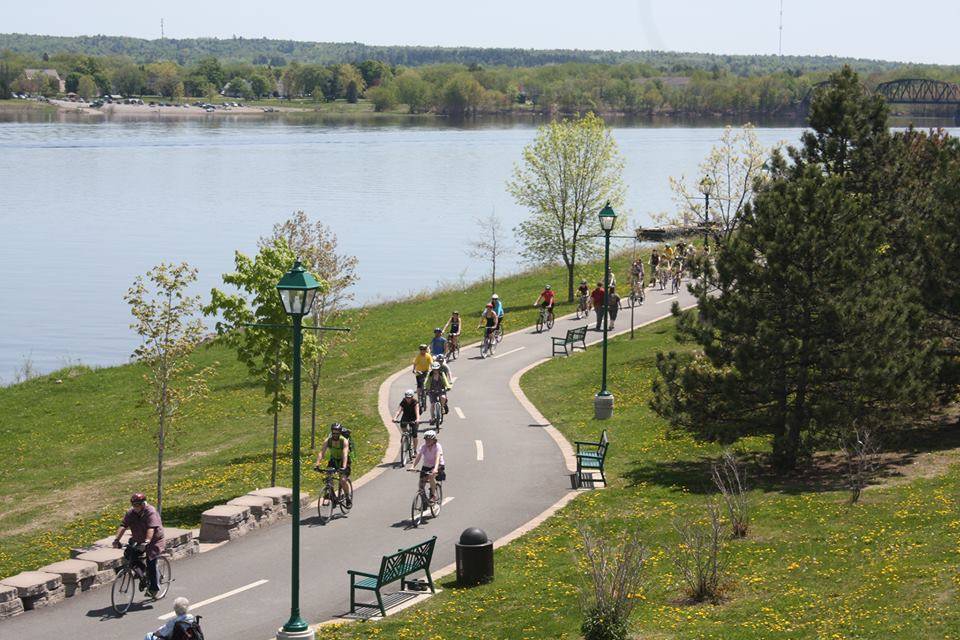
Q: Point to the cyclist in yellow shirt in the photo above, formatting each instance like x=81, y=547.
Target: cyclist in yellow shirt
x=421, y=366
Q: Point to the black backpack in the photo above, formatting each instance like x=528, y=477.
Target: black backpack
x=184, y=630
x=346, y=434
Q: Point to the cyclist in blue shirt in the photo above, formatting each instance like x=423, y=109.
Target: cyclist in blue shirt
x=438, y=346
x=498, y=308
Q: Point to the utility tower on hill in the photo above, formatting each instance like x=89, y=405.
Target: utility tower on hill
x=780, y=46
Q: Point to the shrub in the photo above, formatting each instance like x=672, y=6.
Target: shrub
x=615, y=577
x=730, y=479
x=699, y=556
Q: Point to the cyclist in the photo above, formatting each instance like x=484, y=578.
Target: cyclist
x=583, y=295
x=437, y=385
x=408, y=414
x=546, y=296
x=339, y=447
x=444, y=367
x=611, y=278
x=421, y=365
x=489, y=318
x=654, y=263
x=433, y=463
x=438, y=346
x=454, y=335
x=146, y=530
x=180, y=607
x=597, y=297
x=498, y=307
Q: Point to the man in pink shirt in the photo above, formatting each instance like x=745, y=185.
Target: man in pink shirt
x=146, y=529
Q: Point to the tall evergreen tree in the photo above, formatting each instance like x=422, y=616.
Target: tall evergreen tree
x=811, y=330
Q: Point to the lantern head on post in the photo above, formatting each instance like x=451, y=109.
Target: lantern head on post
x=706, y=186
x=297, y=289
x=607, y=218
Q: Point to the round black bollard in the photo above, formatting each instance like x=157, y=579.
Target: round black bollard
x=474, y=558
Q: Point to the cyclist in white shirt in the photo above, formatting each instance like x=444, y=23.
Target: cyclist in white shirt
x=433, y=463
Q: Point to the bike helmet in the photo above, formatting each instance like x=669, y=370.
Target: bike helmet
x=408, y=393
x=547, y=287
x=336, y=427
x=438, y=330
x=138, y=498
x=494, y=297
x=423, y=346
x=583, y=282
x=430, y=434
x=435, y=366
x=439, y=357
x=455, y=312
x=489, y=305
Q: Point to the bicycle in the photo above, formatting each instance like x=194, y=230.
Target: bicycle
x=453, y=347
x=407, y=452
x=637, y=295
x=436, y=409
x=489, y=344
x=421, y=392
x=676, y=281
x=545, y=318
x=422, y=502
x=132, y=577
x=582, y=309
x=332, y=497
x=662, y=275
x=498, y=331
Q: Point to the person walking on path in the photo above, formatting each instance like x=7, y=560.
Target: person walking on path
x=597, y=298
x=613, y=303
x=180, y=607
x=146, y=528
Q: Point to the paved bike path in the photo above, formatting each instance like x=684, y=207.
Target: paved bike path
x=522, y=473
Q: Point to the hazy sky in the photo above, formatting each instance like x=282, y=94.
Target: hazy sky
x=917, y=31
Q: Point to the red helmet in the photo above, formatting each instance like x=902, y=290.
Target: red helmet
x=138, y=498
x=489, y=305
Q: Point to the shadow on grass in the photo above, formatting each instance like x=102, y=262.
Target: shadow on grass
x=188, y=514
x=824, y=471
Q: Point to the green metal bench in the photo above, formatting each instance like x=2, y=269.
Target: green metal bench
x=570, y=340
x=590, y=456
x=392, y=568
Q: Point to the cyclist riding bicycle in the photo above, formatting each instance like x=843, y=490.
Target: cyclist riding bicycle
x=498, y=307
x=421, y=365
x=547, y=296
x=438, y=346
x=434, y=466
x=444, y=367
x=454, y=330
x=339, y=447
x=583, y=291
x=490, y=318
x=654, y=263
x=408, y=414
x=437, y=385
x=146, y=530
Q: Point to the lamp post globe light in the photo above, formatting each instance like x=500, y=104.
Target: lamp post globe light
x=297, y=289
x=706, y=188
x=603, y=401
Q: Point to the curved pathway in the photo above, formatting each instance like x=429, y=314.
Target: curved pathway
x=517, y=448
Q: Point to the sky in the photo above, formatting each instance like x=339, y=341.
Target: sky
x=918, y=31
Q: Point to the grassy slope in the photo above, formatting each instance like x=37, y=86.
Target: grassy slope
x=81, y=446
x=812, y=566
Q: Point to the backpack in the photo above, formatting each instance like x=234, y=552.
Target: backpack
x=184, y=630
x=346, y=434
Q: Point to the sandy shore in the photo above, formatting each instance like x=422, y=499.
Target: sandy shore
x=146, y=111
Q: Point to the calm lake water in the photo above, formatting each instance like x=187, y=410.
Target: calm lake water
x=85, y=207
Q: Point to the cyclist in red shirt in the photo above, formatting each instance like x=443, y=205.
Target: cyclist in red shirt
x=547, y=296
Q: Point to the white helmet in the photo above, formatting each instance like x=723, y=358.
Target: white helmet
x=408, y=393
x=494, y=297
x=430, y=434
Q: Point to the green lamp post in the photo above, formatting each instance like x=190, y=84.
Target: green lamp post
x=297, y=289
x=706, y=188
x=603, y=401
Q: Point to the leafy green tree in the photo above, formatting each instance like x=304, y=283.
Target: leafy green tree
x=316, y=245
x=210, y=68
x=72, y=81
x=791, y=347
x=87, y=88
x=239, y=87
x=349, y=82
x=129, y=80
x=461, y=95
x=168, y=321
x=383, y=97
x=260, y=85
x=374, y=72
x=569, y=171
x=413, y=91
x=267, y=353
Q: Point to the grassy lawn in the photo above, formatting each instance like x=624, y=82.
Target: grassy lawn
x=74, y=450
x=812, y=566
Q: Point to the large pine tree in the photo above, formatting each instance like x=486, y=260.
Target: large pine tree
x=811, y=329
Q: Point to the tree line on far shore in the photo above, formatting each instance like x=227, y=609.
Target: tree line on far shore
x=632, y=88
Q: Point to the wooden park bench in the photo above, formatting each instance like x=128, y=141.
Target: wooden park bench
x=392, y=568
x=574, y=336
x=591, y=455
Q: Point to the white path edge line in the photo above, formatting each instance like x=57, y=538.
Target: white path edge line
x=232, y=592
x=500, y=355
x=479, y=449
x=662, y=301
x=446, y=500
x=459, y=413
x=565, y=447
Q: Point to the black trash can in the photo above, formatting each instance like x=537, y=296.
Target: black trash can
x=474, y=558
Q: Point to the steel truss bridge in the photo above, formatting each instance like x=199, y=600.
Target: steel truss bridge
x=920, y=91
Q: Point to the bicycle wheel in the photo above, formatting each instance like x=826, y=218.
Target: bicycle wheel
x=422, y=398
x=485, y=347
x=436, y=506
x=124, y=588
x=438, y=413
x=456, y=350
x=550, y=320
x=417, y=509
x=498, y=333
x=346, y=498
x=404, y=445
x=165, y=577
x=326, y=503
x=540, y=323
